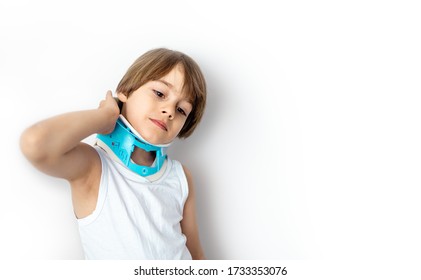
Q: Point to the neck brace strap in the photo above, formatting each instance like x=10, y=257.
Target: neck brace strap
x=122, y=142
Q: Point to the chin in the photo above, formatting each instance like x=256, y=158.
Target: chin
x=152, y=139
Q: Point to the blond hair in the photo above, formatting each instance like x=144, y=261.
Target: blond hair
x=155, y=64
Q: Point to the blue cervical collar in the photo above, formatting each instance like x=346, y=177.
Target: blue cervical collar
x=122, y=142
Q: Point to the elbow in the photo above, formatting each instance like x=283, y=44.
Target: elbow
x=32, y=143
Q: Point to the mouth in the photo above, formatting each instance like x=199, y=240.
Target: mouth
x=160, y=124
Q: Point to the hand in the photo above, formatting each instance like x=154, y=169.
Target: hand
x=110, y=106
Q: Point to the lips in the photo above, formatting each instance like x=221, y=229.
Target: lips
x=160, y=124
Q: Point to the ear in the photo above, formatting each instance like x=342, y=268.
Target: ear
x=122, y=97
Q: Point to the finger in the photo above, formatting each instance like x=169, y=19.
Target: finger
x=109, y=94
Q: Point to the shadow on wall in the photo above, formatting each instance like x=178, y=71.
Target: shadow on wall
x=191, y=152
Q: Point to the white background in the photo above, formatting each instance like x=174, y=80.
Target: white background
x=310, y=145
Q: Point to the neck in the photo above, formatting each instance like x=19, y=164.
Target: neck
x=142, y=157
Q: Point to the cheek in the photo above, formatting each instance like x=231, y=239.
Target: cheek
x=138, y=105
x=131, y=113
x=180, y=125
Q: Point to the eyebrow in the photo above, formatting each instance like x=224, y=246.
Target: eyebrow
x=166, y=83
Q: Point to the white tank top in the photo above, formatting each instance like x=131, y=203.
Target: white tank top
x=135, y=218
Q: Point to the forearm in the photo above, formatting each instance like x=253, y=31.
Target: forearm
x=56, y=136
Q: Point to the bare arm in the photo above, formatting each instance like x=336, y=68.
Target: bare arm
x=54, y=147
x=189, y=223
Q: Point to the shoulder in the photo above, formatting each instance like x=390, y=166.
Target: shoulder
x=92, y=166
x=85, y=188
x=187, y=172
x=189, y=178
x=182, y=171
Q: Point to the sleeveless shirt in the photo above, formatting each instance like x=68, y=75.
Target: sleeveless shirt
x=135, y=218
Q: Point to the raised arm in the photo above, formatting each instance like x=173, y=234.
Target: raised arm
x=54, y=145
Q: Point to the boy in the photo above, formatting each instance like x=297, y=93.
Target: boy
x=123, y=213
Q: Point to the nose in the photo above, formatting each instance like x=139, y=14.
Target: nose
x=169, y=113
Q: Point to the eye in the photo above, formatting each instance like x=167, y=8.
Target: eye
x=180, y=110
x=158, y=93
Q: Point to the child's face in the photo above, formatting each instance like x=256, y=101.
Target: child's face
x=158, y=109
